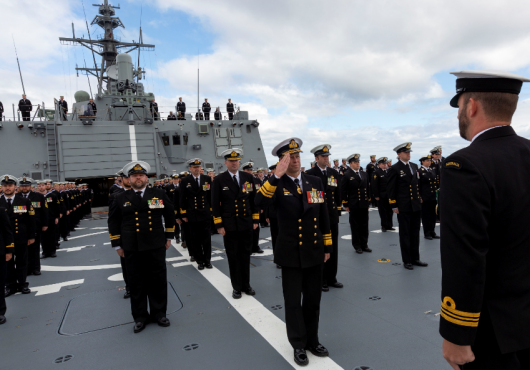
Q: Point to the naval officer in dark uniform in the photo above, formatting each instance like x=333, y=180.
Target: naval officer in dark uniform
x=330, y=180
x=248, y=167
x=303, y=245
x=137, y=233
x=22, y=220
x=49, y=241
x=370, y=168
x=63, y=106
x=235, y=216
x=195, y=198
x=404, y=198
x=355, y=195
x=25, y=107
x=7, y=246
x=428, y=186
x=181, y=108
x=379, y=186
x=230, y=109
x=485, y=315
x=206, y=108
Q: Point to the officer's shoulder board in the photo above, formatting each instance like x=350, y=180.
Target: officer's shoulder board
x=453, y=164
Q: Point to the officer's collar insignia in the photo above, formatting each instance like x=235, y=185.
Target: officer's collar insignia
x=293, y=144
x=325, y=150
x=138, y=167
x=233, y=154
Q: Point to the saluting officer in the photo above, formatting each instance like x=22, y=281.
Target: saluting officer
x=181, y=107
x=230, y=109
x=25, y=107
x=137, y=233
x=303, y=245
x=40, y=207
x=22, y=220
x=404, y=198
x=428, y=198
x=355, y=196
x=485, y=243
x=53, y=202
x=195, y=196
x=63, y=105
x=380, y=191
x=248, y=167
x=235, y=216
x=7, y=246
x=206, y=108
x=330, y=180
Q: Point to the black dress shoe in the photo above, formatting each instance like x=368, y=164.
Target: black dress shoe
x=8, y=292
x=37, y=273
x=392, y=229
x=163, y=321
x=408, y=266
x=250, y=291
x=2, y=319
x=72, y=231
x=65, y=239
x=300, y=357
x=236, y=294
x=43, y=256
x=25, y=290
x=436, y=236
x=360, y=251
x=53, y=255
x=208, y=265
x=366, y=249
x=192, y=259
x=139, y=326
x=259, y=251
x=177, y=240
x=325, y=288
x=419, y=263
x=200, y=266
x=183, y=245
x=319, y=351
x=337, y=285
x=278, y=266
x=428, y=237
x=383, y=230
x=127, y=295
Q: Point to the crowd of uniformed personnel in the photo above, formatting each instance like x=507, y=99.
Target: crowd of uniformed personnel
x=40, y=214
x=199, y=115
x=484, y=249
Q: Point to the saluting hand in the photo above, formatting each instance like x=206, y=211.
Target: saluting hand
x=282, y=166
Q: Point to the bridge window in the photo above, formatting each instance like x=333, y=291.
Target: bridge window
x=176, y=139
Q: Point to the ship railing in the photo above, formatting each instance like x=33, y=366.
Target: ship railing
x=192, y=110
x=38, y=113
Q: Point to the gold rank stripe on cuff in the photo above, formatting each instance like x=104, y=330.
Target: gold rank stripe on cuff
x=462, y=318
x=267, y=189
x=327, y=242
x=264, y=192
x=255, y=216
x=114, y=237
x=182, y=211
x=326, y=236
x=12, y=245
x=217, y=220
x=170, y=230
x=391, y=201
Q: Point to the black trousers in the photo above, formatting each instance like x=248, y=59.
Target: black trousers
x=302, y=290
x=238, y=245
x=488, y=355
x=331, y=265
x=3, y=273
x=63, y=225
x=428, y=217
x=147, y=276
x=26, y=116
x=255, y=240
x=200, y=241
x=49, y=238
x=177, y=231
x=274, y=231
x=263, y=220
x=34, y=251
x=207, y=116
x=409, y=235
x=124, y=273
x=373, y=201
x=385, y=213
x=230, y=116
x=17, y=267
x=359, y=227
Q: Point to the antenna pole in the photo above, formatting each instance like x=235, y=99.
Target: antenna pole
x=198, y=106
x=92, y=49
x=19, y=71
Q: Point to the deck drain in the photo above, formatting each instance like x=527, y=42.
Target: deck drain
x=191, y=347
x=362, y=368
x=396, y=264
x=277, y=307
x=374, y=298
x=63, y=359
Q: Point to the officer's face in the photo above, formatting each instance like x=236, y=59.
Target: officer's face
x=138, y=180
x=25, y=188
x=426, y=162
x=48, y=186
x=232, y=166
x=126, y=182
x=373, y=160
x=248, y=170
x=195, y=170
x=404, y=156
x=294, y=163
x=322, y=160
x=211, y=174
x=355, y=165
x=260, y=175
x=9, y=189
x=463, y=119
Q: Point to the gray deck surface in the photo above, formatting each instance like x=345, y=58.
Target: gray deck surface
x=90, y=320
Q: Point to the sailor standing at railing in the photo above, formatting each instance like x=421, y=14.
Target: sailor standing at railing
x=181, y=108
x=63, y=105
x=1, y=110
x=24, y=106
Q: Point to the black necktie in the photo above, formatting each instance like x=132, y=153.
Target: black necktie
x=197, y=181
x=323, y=173
x=139, y=193
x=9, y=202
x=235, y=180
x=297, y=182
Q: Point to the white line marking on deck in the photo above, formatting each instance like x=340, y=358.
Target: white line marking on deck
x=132, y=137
x=54, y=288
x=82, y=236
